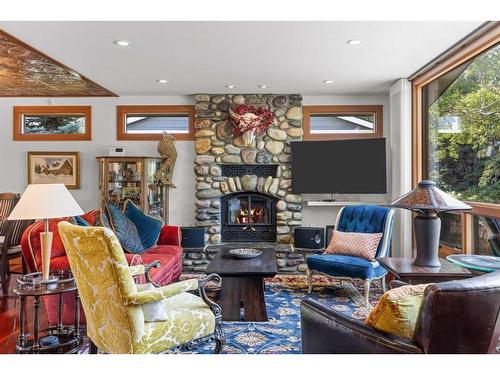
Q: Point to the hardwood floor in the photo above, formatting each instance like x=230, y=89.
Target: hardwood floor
x=9, y=315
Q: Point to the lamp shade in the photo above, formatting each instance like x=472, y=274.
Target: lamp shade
x=45, y=201
x=426, y=196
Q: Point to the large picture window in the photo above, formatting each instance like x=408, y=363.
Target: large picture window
x=456, y=139
x=462, y=129
x=148, y=122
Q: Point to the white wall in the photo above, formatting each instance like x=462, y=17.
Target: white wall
x=322, y=216
x=13, y=155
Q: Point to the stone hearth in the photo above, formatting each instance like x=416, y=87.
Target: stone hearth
x=216, y=147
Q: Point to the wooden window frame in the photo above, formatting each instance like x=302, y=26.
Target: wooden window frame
x=377, y=110
x=20, y=111
x=473, y=48
x=123, y=110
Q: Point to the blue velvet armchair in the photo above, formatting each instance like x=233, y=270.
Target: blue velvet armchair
x=361, y=219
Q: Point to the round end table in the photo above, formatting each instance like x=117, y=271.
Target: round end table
x=64, y=338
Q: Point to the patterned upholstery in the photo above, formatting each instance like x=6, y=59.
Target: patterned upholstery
x=365, y=219
x=362, y=219
x=361, y=245
x=125, y=230
x=168, y=252
x=115, y=321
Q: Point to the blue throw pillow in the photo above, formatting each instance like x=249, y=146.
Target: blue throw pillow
x=81, y=222
x=125, y=230
x=149, y=227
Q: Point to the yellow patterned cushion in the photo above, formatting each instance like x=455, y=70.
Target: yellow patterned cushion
x=188, y=318
x=397, y=311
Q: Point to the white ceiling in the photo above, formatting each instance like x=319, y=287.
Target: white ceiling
x=202, y=57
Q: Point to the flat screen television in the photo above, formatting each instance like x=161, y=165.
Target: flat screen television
x=354, y=166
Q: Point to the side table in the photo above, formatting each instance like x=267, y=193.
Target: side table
x=403, y=269
x=68, y=336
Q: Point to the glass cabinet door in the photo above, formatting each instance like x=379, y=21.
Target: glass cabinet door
x=156, y=192
x=124, y=182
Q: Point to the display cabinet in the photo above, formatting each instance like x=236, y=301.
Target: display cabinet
x=134, y=178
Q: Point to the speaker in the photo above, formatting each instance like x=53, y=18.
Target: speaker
x=328, y=234
x=309, y=237
x=193, y=237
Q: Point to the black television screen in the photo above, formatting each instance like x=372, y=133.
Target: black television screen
x=343, y=166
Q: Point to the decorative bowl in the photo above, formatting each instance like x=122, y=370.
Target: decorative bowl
x=245, y=253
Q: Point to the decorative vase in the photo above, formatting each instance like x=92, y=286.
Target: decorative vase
x=248, y=137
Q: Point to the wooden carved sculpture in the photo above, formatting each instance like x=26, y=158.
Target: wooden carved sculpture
x=166, y=148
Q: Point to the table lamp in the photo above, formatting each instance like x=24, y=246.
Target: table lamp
x=45, y=201
x=427, y=201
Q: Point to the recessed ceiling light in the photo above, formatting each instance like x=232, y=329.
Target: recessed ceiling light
x=122, y=43
x=161, y=81
x=354, y=42
x=230, y=86
x=263, y=86
x=327, y=81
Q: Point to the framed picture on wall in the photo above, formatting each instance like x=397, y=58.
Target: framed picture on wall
x=54, y=167
x=52, y=123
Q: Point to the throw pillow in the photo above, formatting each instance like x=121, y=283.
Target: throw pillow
x=153, y=311
x=125, y=230
x=81, y=221
x=361, y=245
x=102, y=219
x=149, y=227
x=398, y=310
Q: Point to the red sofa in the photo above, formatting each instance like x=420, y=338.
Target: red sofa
x=168, y=252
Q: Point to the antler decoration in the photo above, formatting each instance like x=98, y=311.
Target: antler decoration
x=247, y=117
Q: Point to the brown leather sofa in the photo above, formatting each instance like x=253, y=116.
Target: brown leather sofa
x=456, y=317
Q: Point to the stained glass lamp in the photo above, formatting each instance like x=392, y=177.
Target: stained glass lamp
x=427, y=201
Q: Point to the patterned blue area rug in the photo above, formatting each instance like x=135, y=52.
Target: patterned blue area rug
x=281, y=334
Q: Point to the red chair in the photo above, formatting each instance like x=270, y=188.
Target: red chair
x=168, y=252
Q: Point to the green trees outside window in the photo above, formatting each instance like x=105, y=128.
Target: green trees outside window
x=463, y=129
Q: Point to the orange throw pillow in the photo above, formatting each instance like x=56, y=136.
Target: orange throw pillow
x=361, y=245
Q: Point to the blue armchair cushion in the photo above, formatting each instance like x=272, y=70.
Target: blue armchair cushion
x=125, y=230
x=364, y=219
x=149, y=227
x=345, y=266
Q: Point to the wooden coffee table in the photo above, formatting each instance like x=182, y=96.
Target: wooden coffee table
x=243, y=284
x=403, y=269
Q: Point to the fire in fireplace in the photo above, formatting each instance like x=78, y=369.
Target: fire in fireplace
x=248, y=217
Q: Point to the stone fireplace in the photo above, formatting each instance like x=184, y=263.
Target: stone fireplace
x=243, y=192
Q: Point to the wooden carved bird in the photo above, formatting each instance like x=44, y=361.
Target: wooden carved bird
x=166, y=148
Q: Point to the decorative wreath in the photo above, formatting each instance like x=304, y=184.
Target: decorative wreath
x=247, y=117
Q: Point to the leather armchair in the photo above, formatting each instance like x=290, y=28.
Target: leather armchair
x=456, y=317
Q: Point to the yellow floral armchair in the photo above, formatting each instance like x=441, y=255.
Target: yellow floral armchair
x=112, y=304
